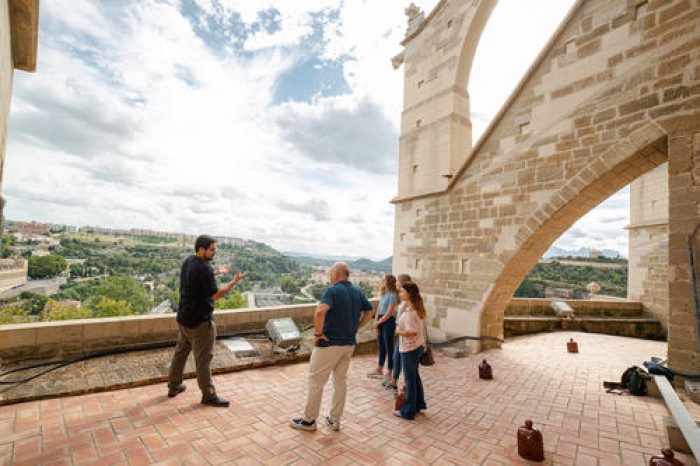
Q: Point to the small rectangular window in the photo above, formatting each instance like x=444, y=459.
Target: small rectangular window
x=570, y=46
x=418, y=264
x=640, y=10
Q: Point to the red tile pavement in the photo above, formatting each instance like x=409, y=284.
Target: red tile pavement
x=469, y=421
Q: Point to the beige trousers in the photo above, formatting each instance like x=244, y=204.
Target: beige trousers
x=200, y=340
x=325, y=360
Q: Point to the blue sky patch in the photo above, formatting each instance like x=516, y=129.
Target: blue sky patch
x=311, y=79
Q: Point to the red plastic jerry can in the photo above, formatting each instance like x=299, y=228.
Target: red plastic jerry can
x=572, y=346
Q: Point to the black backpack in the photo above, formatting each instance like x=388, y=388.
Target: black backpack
x=634, y=379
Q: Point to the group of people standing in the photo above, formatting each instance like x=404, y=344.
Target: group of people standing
x=341, y=311
x=401, y=313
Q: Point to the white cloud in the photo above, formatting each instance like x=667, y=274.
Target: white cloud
x=164, y=115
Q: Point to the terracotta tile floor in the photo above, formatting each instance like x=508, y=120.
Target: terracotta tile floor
x=469, y=421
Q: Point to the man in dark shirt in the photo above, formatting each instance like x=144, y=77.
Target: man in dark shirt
x=198, y=291
x=343, y=309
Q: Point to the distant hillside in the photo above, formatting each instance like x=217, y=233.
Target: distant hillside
x=555, y=251
x=365, y=265
x=570, y=278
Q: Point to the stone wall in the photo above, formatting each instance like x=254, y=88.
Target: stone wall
x=648, y=243
x=598, y=109
x=13, y=273
x=68, y=338
x=6, y=74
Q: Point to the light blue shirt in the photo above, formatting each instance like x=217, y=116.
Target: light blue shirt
x=386, y=300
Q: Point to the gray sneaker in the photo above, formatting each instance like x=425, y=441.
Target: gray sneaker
x=301, y=424
x=334, y=425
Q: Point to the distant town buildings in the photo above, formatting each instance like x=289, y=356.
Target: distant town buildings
x=30, y=230
x=320, y=275
x=180, y=237
x=595, y=254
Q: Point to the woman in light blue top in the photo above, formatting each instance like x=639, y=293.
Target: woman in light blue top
x=385, y=325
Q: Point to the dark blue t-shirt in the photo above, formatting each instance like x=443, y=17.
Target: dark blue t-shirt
x=346, y=302
x=197, y=286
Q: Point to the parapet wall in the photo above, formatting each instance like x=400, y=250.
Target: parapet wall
x=543, y=306
x=57, y=340
x=67, y=338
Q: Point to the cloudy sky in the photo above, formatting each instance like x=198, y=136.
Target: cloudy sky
x=273, y=120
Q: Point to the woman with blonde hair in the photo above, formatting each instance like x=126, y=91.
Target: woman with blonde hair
x=411, y=332
x=385, y=325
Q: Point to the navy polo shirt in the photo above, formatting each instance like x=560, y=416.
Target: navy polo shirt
x=346, y=303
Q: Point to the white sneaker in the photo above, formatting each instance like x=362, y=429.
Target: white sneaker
x=334, y=425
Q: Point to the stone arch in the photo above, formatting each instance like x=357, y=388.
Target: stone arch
x=615, y=93
x=642, y=151
x=471, y=41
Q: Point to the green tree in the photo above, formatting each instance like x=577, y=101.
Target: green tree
x=527, y=289
x=13, y=313
x=77, y=270
x=32, y=302
x=316, y=290
x=61, y=311
x=123, y=289
x=235, y=300
x=290, y=285
x=46, y=266
x=6, y=249
x=366, y=288
x=107, y=307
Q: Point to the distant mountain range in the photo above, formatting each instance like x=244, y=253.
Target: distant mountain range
x=366, y=265
x=384, y=266
x=555, y=251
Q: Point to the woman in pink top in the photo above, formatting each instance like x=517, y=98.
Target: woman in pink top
x=411, y=332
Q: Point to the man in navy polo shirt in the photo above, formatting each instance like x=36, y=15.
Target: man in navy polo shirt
x=343, y=309
x=195, y=319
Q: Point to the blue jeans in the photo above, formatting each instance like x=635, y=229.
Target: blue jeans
x=397, y=362
x=415, y=397
x=385, y=342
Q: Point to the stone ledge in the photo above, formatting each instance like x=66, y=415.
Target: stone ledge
x=639, y=327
